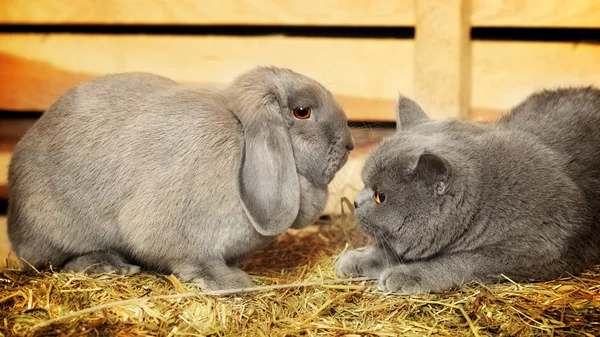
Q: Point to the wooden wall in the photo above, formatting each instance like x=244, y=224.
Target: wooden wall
x=364, y=51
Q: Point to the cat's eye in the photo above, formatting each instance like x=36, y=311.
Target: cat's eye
x=302, y=112
x=379, y=197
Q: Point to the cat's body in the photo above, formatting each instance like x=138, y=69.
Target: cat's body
x=464, y=201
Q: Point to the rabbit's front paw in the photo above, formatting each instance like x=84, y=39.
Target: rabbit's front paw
x=226, y=279
x=402, y=279
x=358, y=263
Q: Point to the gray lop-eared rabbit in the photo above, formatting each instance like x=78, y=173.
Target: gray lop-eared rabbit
x=133, y=170
x=450, y=202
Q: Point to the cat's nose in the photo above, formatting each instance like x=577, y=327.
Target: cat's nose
x=362, y=197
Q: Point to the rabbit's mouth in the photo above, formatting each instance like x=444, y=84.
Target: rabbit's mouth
x=335, y=166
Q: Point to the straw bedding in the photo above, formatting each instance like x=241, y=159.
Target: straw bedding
x=310, y=301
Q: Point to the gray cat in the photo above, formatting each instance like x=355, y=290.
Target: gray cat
x=131, y=170
x=450, y=202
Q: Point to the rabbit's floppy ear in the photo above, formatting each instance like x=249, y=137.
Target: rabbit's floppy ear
x=408, y=112
x=268, y=183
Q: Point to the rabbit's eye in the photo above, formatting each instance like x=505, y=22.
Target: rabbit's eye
x=301, y=113
x=379, y=197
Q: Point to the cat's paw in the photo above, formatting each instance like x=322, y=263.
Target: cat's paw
x=349, y=264
x=402, y=279
x=358, y=263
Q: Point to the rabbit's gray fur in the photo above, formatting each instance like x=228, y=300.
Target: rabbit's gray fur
x=464, y=201
x=134, y=169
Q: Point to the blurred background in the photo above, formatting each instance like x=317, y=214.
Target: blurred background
x=467, y=59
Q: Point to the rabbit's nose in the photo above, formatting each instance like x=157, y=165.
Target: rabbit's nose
x=350, y=143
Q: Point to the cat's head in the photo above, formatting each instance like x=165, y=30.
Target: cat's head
x=414, y=186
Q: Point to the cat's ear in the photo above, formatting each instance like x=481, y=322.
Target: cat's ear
x=434, y=171
x=408, y=112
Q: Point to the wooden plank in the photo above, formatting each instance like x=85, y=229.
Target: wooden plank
x=442, y=57
x=364, y=74
x=505, y=73
x=536, y=13
x=6, y=148
x=7, y=256
x=4, y=160
x=255, y=12
x=12, y=129
x=499, y=13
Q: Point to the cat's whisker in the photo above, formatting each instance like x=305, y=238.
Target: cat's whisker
x=386, y=259
x=387, y=242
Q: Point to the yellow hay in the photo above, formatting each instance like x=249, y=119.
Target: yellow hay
x=297, y=294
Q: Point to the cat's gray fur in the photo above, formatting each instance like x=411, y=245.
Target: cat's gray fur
x=134, y=169
x=464, y=201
